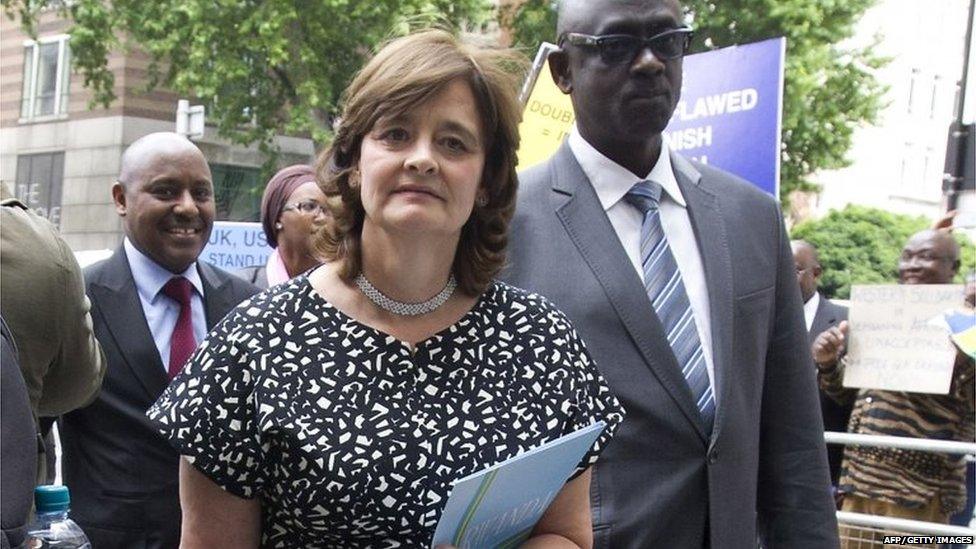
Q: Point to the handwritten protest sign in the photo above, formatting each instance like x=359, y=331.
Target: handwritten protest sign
x=898, y=339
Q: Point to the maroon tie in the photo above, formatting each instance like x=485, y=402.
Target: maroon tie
x=182, y=344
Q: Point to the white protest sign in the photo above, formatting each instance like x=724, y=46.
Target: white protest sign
x=898, y=339
x=235, y=245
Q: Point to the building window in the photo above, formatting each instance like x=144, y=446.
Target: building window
x=912, y=83
x=237, y=192
x=40, y=178
x=912, y=167
x=47, y=64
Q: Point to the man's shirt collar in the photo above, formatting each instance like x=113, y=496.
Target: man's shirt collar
x=810, y=309
x=150, y=277
x=612, y=181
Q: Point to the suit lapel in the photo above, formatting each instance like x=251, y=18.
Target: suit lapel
x=713, y=246
x=117, y=298
x=217, y=301
x=581, y=214
x=826, y=317
x=822, y=319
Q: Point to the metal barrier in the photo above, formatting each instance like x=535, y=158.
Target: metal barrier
x=866, y=531
x=904, y=443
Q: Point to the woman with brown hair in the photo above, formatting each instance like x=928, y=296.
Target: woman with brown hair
x=337, y=409
x=292, y=211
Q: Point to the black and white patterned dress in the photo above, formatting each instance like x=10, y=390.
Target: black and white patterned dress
x=351, y=438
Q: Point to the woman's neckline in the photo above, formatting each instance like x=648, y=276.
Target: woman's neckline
x=410, y=347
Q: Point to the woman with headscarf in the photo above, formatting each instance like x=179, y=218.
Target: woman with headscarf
x=292, y=210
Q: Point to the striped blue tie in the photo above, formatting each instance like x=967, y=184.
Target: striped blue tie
x=663, y=284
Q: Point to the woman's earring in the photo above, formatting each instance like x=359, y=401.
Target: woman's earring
x=279, y=226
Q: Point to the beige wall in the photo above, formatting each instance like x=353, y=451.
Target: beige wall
x=130, y=79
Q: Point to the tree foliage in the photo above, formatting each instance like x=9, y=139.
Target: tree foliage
x=860, y=245
x=262, y=68
x=829, y=89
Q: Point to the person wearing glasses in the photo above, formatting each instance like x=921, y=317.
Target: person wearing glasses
x=896, y=483
x=680, y=279
x=292, y=211
x=820, y=314
x=337, y=409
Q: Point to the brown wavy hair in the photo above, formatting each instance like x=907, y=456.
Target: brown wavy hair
x=404, y=74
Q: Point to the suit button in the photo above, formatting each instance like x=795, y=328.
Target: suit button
x=712, y=457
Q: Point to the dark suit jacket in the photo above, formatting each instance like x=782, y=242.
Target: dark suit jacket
x=18, y=451
x=662, y=482
x=121, y=473
x=257, y=275
x=835, y=416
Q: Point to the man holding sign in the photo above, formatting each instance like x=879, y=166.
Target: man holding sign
x=904, y=483
x=680, y=279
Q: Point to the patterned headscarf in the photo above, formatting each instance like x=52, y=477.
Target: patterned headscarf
x=276, y=195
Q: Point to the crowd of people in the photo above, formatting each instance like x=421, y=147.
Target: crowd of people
x=892, y=482
x=427, y=313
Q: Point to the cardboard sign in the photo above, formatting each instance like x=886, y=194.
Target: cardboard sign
x=898, y=338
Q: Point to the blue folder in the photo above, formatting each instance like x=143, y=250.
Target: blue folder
x=497, y=507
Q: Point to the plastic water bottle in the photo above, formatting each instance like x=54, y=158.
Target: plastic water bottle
x=52, y=527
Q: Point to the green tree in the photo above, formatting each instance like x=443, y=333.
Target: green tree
x=859, y=245
x=262, y=68
x=829, y=89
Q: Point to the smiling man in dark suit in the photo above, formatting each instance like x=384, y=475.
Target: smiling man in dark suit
x=679, y=278
x=152, y=304
x=820, y=315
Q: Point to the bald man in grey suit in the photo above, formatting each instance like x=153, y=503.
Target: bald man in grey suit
x=712, y=460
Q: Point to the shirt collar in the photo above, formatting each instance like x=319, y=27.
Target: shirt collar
x=810, y=309
x=150, y=277
x=612, y=181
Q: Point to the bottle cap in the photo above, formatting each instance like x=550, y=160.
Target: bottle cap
x=51, y=499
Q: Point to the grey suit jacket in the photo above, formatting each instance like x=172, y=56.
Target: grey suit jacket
x=662, y=482
x=121, y=473
x=835, y=415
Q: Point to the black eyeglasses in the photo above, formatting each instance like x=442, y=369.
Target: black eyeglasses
x=306, y=206
x=616, y=49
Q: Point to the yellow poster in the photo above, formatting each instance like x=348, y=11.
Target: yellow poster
x=546, y=121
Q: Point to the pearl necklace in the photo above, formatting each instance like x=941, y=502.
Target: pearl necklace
x=401, y=308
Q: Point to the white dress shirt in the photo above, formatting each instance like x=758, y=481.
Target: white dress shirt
x=611, y=182
x=810, y=309
x=161, y=311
